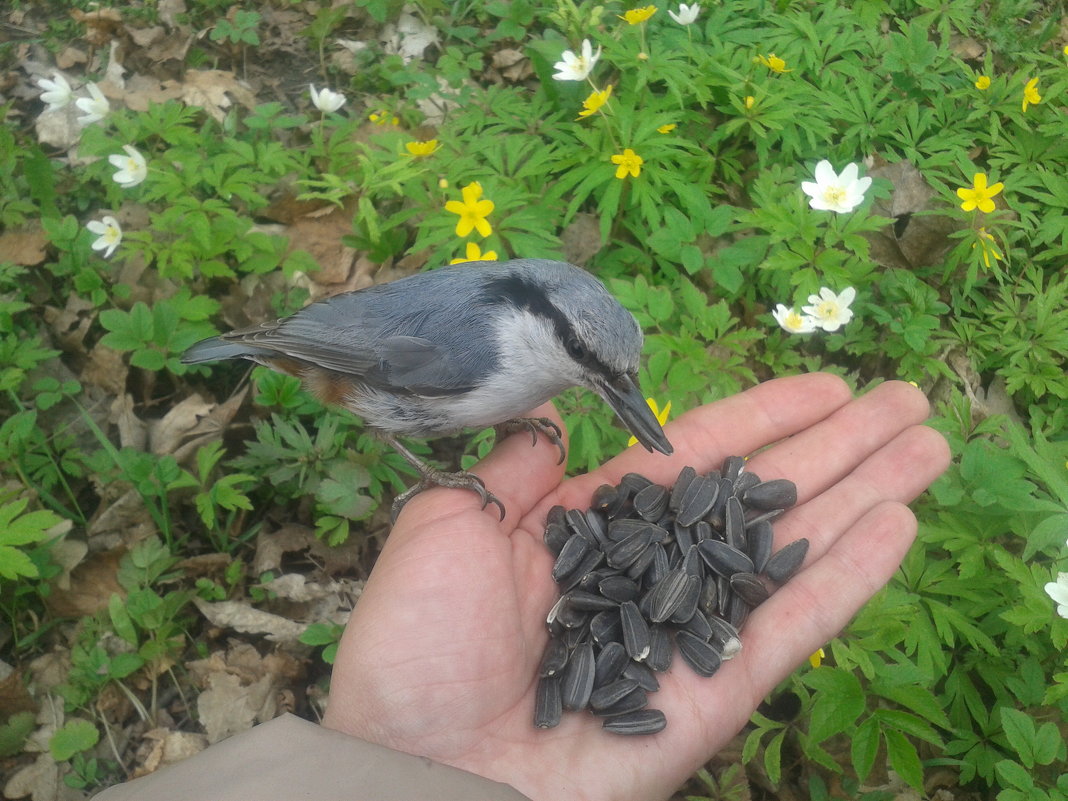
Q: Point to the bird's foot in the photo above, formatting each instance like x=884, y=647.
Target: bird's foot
x=432, y=477
x=535, y=425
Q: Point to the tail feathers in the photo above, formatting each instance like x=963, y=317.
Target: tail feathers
x=216, y=349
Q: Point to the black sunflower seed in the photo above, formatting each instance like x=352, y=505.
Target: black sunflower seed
x=692, y=562
x=684, y=536
x=724, y=559
x=697, y=500
x=576, y=523
x=734, y=524
x=623, y=554
x=645, y=721
x=611, y=693
x=698, y=654
x=665, y=597
x=605, y=627
x=660, y=649
x=556, y=536
x=659, y=567
x=631, y=702
x=759, y=539
x=633, y=483
x=697, y=624
x=786, y=561
x=636, y=638
x=578, y=678
x=651, y=502
x=623, y=527
x=737, y=611
x=744, y=481
x=588, y=601
x=779, y=493
x=709, y=600
x=556, y=516
x=732, y=466
x=643, y=674
x=554, y=659
x=547, y=703
x=678, y=489
x=619, y=588
x=570, y=556
x=750, y=588
x=688, y=606
x=609, y=664
x=702, y=530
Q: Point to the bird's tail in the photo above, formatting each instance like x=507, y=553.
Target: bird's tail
x=216, y=349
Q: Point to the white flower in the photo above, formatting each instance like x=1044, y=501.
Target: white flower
x=687, y=14
x=793, y=322
x=108, y=232
x=57, y=93
x=576, y=68
x=132, y=167
x=830, y=311
x=95, y=107
x=326, y=100
x=1058, y=591
x=833, y=192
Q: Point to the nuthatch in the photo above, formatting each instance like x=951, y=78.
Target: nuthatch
x=472, y=345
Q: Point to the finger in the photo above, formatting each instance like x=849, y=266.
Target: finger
x=516, y=473
x=899, y=471
x=819, y=456
x=737, y=425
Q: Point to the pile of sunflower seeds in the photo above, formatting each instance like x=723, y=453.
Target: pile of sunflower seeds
x=650, y=568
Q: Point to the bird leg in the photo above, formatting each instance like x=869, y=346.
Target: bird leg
x=535, y=425
x=432, y=477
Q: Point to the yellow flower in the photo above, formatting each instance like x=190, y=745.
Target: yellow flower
x=773, y=63
x=593, y=103
x=982, y=83
x=1031, y=94
x=421, y=149
x=986, y=242
x=661, y=416
x=383, y=118
x=749, y=101
x=474, y=253
x=817, y=658
x=668, y=128
x=627, y=162
x=636, y=16
x=472, y=211
x=979, y=195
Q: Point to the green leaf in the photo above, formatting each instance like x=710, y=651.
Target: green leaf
x=1014, y=774
x=1048, y=744
x=864, y=747
x=120, y=619
x=839, y=701
x=773, y=758
x=903, y=758
x=1019, y=729
x=75, y=736
x=14, y=731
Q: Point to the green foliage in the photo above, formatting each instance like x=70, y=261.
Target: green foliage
x=327, y=635
x=20, y=528
x=73, y=736
x=241, y=30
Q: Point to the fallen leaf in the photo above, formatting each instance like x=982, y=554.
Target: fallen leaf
x=215, y=91
x=101, y=25
x=14, y=696
x=106, y=369
x=25, y=247
x=227, y=707
x=133, y=433
x=166, y=434
x=90, y=585
x=39, y=780
x=243, y=617
x=409, y=37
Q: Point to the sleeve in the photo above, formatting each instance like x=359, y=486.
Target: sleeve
x=291, y=758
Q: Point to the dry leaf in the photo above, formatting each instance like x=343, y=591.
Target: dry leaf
x=164, y=436
x=227, y=707
x=409, y=37
x=169, y=10
x=168, y=747
x=39, y=780
x=143, y=90
x=91, y=585
x=25, y=247
x=215, y=91
x=106, y=369
x=14, y=697
x=101, y=25
x=133, y=433
x=245, y=618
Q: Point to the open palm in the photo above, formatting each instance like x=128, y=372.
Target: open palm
x=440, y=656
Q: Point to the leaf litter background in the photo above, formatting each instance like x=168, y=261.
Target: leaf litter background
x=256, y=668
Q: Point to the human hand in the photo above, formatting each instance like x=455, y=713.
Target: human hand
x=440, y=656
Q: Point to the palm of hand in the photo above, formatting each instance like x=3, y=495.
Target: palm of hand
x=440, y=657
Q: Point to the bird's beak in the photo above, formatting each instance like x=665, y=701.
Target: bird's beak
x=626, y=399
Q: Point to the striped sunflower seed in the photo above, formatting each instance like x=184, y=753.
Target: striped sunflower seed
x=734, y=524
x=588, y=601
x=609, y=694
x=556, y=536
x=744, y=481
x=605, y=627
x=779, y=493
x=678, y=489
x=698, y=654
x=570, y=556
x=609, y=663
x=547, y=703
x=724, y=559
x=750, y=588
x=645, y=721
x=759, y=539
x=636, y=638
x=631, y=702
x=578, y=678
x=623, y=554
x=554, y=659
x=661, y=649
x=732, y=467
x=619, y=588
x=651, y=502
x=643, y=674
x=697, y=500
x=665, y=597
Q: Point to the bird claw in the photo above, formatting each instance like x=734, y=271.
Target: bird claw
x=438, y=478
x=535, y=425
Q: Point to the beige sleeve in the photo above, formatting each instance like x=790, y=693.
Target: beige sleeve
x=291, y=758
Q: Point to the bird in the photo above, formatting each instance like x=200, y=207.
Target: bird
x=466, y=346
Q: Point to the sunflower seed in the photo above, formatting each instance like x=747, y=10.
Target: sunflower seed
x=569, y=617
x=660, y=650
x=684, y=536
x=659, y=567
x=588, y=601
x=734, y=524
x=609, y=499
x=645, y=721
x=623, y=527
x=618, y=588
x=611, y=693
x=737, y=611
x=758, y=540
x=605, y=627
x=702, y=530
x=698, y=654
x=622, y=554
x=779, y=493
x=575, y=637
x=633, y=483
x=750, y=588
x=643, y=674
x=722, y=631
x=697, y=500
x=785, y=562
x=651, y=502
x=578, y=678
x=554, y=659
x=556, y=516
x=692, y=562
x=678, y=489
x=598, y=524
x=590, y=562
x=724, y=559
x=772, y=514
x=547, y=704
x=576, y=523
x=665, y=597
x=732, y=466
x=556, y=536
x=697, y=624
x=690, y=598
x=609, y=664
x=744, y=481
x=554, y=612
x=636, y=638
x=631, y=702
x=641, y=564
x=570, y=556
x=709, y=599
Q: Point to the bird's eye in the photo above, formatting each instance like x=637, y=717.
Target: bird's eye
x=575, y=350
